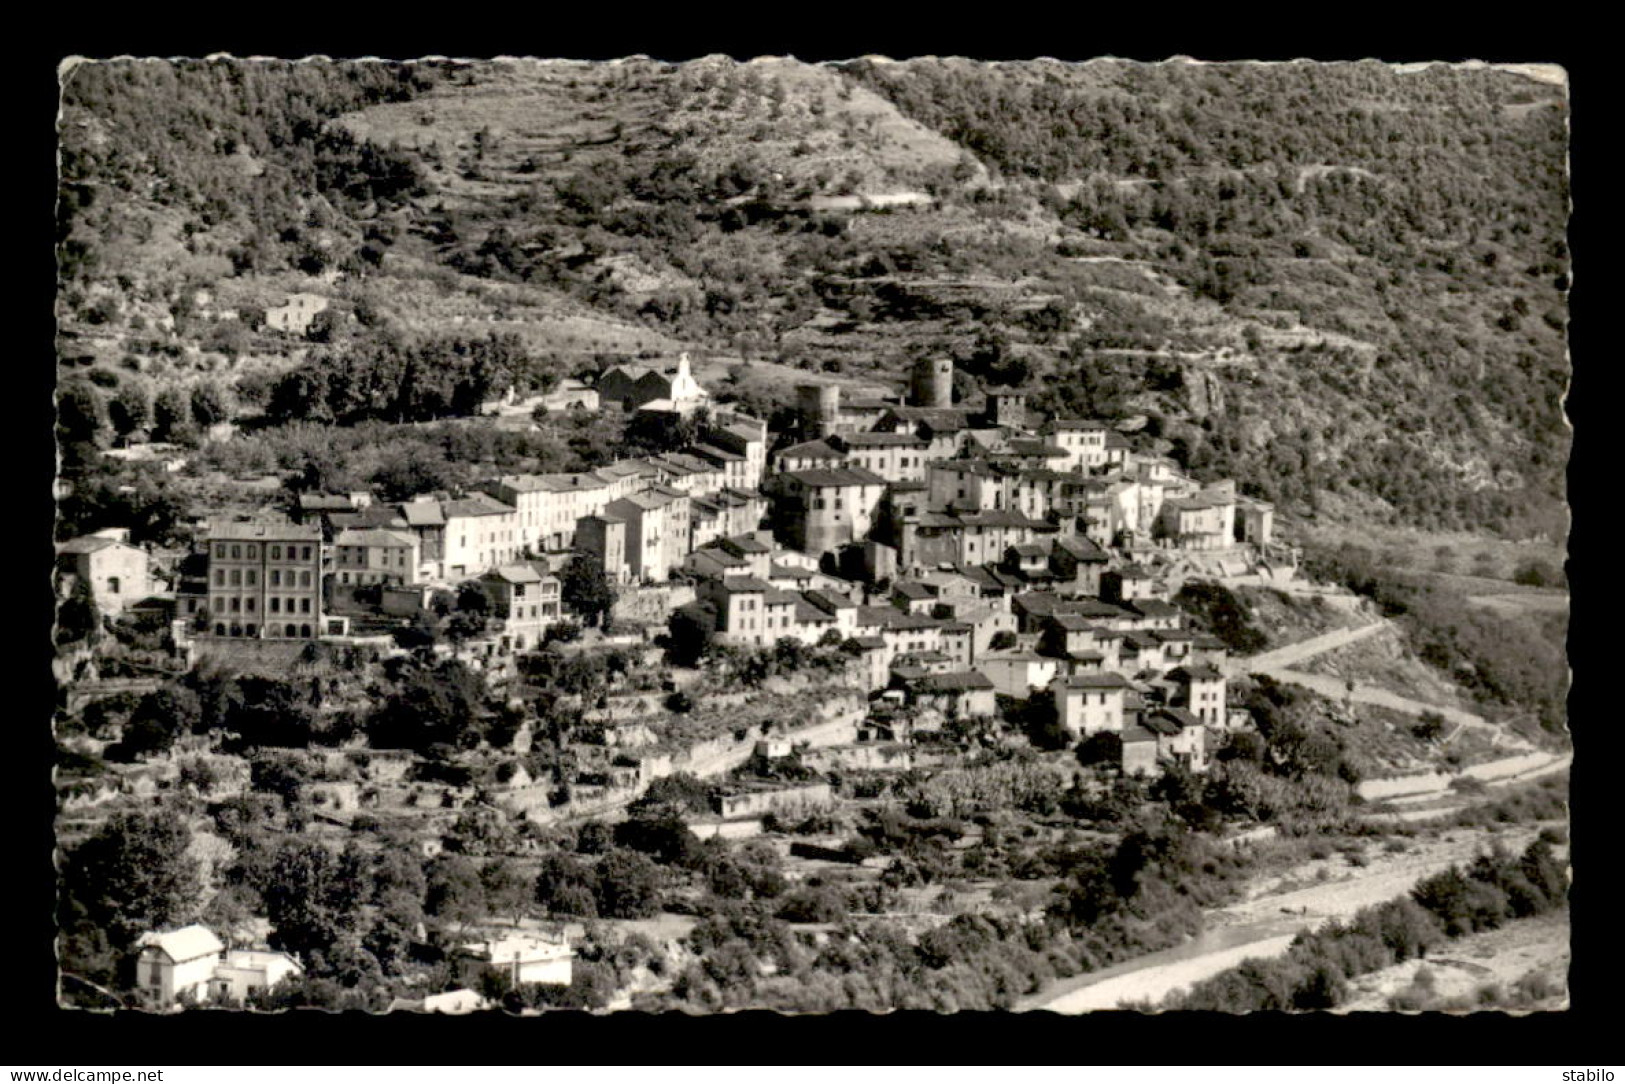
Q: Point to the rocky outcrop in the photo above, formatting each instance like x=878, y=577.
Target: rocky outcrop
x=1203, y=391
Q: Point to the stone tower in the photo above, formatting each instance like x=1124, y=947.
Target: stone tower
x=820, y=405
x=933, y=382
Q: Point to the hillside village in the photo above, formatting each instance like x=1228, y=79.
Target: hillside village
x=438, y=633
x=914, y=573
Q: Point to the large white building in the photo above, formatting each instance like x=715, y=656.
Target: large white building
x=481, y=533
x=192, y=962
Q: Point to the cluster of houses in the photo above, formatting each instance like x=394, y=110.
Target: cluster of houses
x=965, y=559
x=192, y=964
x=916, y=531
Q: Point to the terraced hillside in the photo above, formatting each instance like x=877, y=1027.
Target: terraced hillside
x=1341, y=283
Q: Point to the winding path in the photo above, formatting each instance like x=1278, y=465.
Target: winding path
x=1303, y=650
x=1278, y=664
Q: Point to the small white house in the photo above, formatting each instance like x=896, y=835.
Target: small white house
x=176, y=963
x=526, y=959
x=193, y=961
x=1017, y=673
x=452, y=1003
x=245, y=971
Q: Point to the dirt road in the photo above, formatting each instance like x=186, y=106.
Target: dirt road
x=1282, y=657
x=1265, y=925
x=1516, y=769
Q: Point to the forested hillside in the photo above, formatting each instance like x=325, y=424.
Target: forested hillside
x=1342, y=284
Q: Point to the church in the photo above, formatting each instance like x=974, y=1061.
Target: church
x=637, y=388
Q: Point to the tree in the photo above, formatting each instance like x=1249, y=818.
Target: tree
x=690, y=634
x=1002, y=641
x=161, y=717
x=1041, y=719
x=78, y=618
x=81, y=413
x=565, y=885
x=455, y=893
x=660, y=832
x=135, y=875
x=627, y=886
x=594, y=837
x=311, y=898
x=1431, y=726
x=430, y=706
x=586, y=589
x=399, y=886
x=270, y=711
x=172, y=415
x=507, y=890
x=130, y=408
x=212, y=403
x=1104, y=748
x=231, y=914
x=1537, y=573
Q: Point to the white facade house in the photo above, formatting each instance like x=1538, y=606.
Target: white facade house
x=1090, y=703
x=242, y=972
x=180, y=962
x=526, y=959
x=192, y=961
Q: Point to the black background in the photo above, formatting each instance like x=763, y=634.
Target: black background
x=37, y=1034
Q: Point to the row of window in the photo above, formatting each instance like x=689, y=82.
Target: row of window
x=358, y=555
x=276, y=603
x=251, y=552
x=237, y=577
x=251, y=629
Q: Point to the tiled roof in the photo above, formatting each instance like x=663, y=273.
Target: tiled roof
x=828, y=601
x=477, y=505
x=811, y=449
x=735, y=585
x=890, y=617
x=720, y=557
x=1159, y=722
x=979, y=467
x=1081, y=547
x=1001, y=518
x=265, y=530
x=958, y=681
x=325, y=502
x=883, y=440
x=744, y=544
x=515, y=574
x=373, y=537
x=823, y=477
x=186, y=943
x=712, y=452
x=1029, y=448
x=88, y=544
x=1105, y=680
x=940, y=419
x=808, y=614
